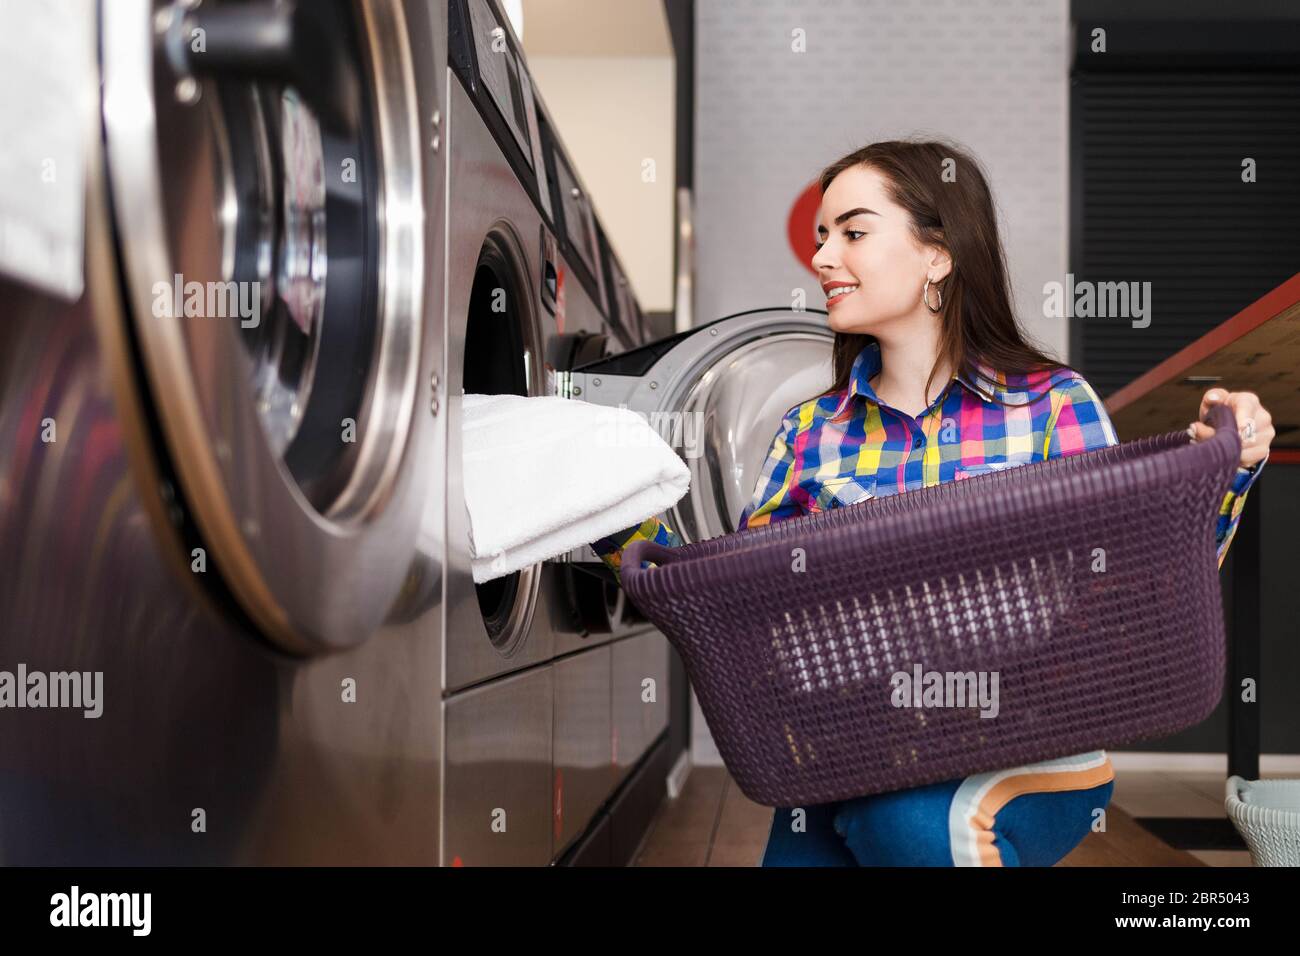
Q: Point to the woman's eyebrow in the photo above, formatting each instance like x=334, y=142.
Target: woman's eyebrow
x=858, y=211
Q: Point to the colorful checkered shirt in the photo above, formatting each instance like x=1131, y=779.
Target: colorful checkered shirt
x=815, y=463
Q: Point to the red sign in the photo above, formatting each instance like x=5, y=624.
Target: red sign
x=801, y=226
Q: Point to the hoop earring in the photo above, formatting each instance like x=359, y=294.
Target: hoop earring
x=925, y=296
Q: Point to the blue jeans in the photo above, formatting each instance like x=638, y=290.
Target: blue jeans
x=952, y=823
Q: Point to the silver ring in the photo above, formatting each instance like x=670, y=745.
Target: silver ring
x=1248, y=430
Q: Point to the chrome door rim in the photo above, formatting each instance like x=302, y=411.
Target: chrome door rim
x=672, y=385
x=502, y=247
x=310, y=581
x=689, y=399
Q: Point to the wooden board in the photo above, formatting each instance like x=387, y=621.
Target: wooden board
x=1257, y=350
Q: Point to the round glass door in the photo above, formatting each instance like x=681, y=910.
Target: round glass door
x=717, y=394
x=728, y=417
x=265, y=168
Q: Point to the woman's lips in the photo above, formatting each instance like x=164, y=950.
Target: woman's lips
x=840, y=298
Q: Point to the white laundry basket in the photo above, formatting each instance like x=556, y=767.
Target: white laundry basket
x=1267, y=815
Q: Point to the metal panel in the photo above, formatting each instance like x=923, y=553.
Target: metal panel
x=498, y=782
x=583, y=769
x=638, y=721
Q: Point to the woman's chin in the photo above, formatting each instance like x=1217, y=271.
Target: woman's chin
x=849, y=324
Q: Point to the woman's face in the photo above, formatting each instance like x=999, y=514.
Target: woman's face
x=874, y=250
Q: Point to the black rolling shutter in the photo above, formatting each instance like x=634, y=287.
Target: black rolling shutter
x=1160, y=125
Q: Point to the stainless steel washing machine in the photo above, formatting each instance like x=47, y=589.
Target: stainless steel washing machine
x=548, y=669
x=544, y=708
x=222, y=476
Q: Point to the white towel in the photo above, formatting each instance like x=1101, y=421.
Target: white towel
x=545, y=474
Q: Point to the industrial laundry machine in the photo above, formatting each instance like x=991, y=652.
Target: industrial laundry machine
x=221, y=484
x=537, y=303
x=229, y=462
x=547, y=669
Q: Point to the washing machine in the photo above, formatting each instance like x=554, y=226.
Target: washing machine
x=538, y=303
x=543, y=694
x=222, y=461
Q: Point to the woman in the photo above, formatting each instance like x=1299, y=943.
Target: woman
x=934, y=381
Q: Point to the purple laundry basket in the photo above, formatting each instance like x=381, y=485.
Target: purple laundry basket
x=1087, y=584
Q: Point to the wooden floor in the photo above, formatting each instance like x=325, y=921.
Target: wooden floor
x=713, y=824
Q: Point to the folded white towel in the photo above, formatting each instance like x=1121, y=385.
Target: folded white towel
x=545, y=474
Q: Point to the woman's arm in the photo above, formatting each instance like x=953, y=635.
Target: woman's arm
x=610, y=548
x=1079, y=422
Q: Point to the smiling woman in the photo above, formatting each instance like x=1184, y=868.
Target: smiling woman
x=917, y=290
x=933, y=381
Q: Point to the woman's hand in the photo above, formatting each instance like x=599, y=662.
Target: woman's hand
x=1254, y=423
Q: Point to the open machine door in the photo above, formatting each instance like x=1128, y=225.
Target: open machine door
x=717, y=394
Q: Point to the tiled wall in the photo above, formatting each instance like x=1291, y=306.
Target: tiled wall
x=991, y=74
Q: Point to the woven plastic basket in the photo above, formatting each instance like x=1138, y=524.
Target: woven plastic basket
x=1267, y=815
x=1087, y=586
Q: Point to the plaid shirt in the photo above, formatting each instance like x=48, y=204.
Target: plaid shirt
x=815, y=463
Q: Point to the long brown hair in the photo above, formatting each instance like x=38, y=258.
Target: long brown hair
x=954, y=211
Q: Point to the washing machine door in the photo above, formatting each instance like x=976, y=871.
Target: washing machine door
x=264, y=162
x=716, y=394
